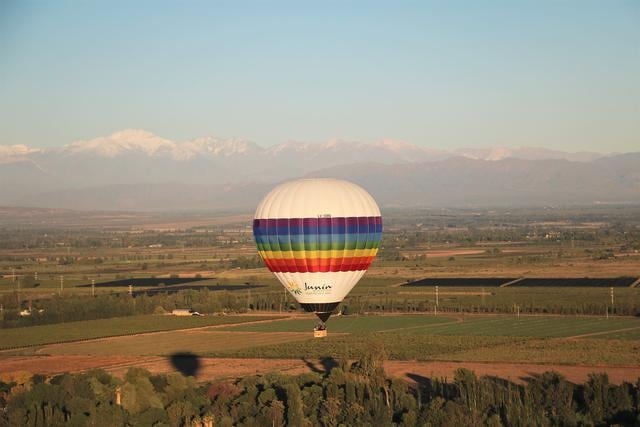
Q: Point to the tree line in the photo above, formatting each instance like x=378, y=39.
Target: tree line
x=71, y=308
x=79, y=307
x=351, y=393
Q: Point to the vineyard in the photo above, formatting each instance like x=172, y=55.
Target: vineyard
x=119, y=326
x=349, y=324
x=504, y=326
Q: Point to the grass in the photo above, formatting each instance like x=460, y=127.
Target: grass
x=496, y=339
x=462, y=348
x=530, y=326
x=399, y=346
x=633, y=334
x=508, y=326
x=529, y=339
x=348, y=324
x=73, y=331
x=200, y=341
x=555, y=351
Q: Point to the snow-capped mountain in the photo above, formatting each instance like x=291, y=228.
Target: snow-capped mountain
x=136, y=169
x=18, y=152
x=130, y=142
x=139, y=156
x=385, y=151
x=526, y=153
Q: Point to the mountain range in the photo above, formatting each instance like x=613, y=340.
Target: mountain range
x=135, y=169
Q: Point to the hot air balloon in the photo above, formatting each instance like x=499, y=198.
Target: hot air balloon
x=318, y=237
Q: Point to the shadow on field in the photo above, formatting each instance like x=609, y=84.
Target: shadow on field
x=429, y=384
x=421, y=381
x=186, y=363
x=326, y=363
x=433, y=386
x=502, y=382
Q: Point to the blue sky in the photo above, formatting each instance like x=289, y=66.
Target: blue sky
x=557, y=74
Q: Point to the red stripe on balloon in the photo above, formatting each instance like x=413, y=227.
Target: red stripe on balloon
x=318, y=265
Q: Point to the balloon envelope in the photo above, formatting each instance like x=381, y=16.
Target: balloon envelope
x=318, y=237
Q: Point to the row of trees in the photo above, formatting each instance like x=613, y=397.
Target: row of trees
x=391, y=304
x=76, y=307
x=514, y=229
x=20, y=238
x=349, y=394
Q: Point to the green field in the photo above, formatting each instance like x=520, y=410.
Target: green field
x=632, y=335
x=398, y=346
x=197, y=341
x=508, y=326
x=349, y=324
x=531, y=326
x=73, y=331
x=462, y=348
x=480, y=338
x=557, y=351
x=528, y=339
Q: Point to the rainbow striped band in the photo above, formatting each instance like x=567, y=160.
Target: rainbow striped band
x=312, y=245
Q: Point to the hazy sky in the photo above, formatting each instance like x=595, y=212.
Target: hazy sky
x=558, y=74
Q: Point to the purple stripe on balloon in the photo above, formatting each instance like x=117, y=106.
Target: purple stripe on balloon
x=334, y=225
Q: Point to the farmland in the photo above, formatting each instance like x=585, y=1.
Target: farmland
x=547, y=282
x=73, y=331
x=616, y=282
x=167, y=343
x=350, y=324
x=509, y=326
x=501, y=339
x=460, y=282
x=556, y=310
x=539, y=339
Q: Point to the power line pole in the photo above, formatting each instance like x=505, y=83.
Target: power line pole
x=61, y=284
x=611, y=289
x=93, y=287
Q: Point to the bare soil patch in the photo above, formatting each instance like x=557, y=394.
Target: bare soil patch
x=516, y=372
x=450, y=252
x=52, y=365
x=445, y=293
x=216, y=369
